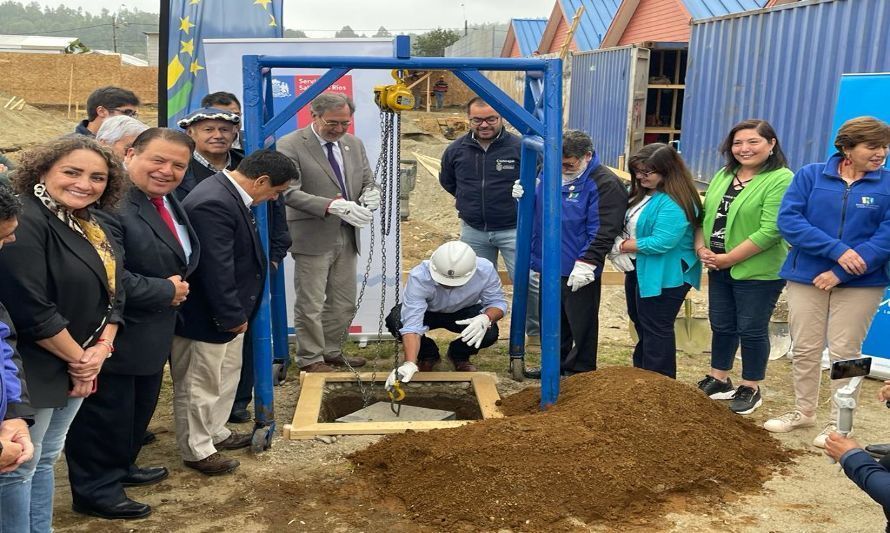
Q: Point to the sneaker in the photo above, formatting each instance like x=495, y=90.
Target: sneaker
x=789, y=421
x=746, y=400
x=716, y=389
x=819, y=441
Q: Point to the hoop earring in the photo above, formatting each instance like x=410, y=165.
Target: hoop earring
x=39, y=189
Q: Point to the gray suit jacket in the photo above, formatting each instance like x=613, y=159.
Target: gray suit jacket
x=312, y=229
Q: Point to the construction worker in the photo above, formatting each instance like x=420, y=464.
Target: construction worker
x=454, y=290
x=439, y=90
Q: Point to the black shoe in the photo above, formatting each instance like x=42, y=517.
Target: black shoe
x=148, y=438
x=235, y=441
x=239, y=416
x=127, y=509
x=716, y=389
x=878, y=450
x=145, y=476
x=746, y=400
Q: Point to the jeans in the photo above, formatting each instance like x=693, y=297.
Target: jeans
x=440, y=100
x=739, y=312
x=654, y=318
x=26, y=494
x=488, y=244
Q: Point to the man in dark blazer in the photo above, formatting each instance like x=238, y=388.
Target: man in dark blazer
x=225, y=293
x=160, y=251
x=214, y=128
x=326, y=209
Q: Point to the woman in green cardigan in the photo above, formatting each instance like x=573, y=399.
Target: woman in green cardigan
x=742, y=249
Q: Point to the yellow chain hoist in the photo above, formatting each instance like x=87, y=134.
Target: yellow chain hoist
x=396, y=97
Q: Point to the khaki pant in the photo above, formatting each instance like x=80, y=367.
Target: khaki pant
x=325, y=292
x=205, y=377
x=841, y=317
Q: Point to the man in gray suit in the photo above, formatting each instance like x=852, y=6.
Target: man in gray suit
x=326, y=208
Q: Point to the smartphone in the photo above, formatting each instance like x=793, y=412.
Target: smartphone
x=851, y=368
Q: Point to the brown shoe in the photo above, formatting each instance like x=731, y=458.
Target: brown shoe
x=464, y=366
x=214, y=465
x=427, y=365
x=337, y=360
x=317, y=367
x=235, y=441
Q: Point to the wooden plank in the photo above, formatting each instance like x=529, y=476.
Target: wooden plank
x=370, y=428
x=487, y=395
x=666, y=86
x=309, y=403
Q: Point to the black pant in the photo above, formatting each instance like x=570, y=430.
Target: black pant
x=244, y=392
x=458, y=350
x=106, y=436
x=654, y=318
x=579, y=326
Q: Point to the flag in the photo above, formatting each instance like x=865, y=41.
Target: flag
x=187, y=24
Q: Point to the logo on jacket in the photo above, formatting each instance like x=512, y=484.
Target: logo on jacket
x=867, y=202
x=505, y=164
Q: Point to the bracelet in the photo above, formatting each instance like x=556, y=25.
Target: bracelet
x=108, y=344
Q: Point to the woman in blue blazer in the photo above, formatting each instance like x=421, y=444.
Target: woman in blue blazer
x=664, y=210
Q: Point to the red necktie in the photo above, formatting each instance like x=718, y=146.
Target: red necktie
x=165, y=215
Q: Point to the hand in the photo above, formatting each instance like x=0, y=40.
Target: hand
x=852, y=263
x=884, y=393
x=238, y=329
x=350, y=212
x=16, y=430
x=826, y=280
x=403, y=374
x=837, y=445
x=517, y=191
x=10, y=455
x=81, y=388
x=3, y=168
x=475, y=330
x=719, y=261
x=180, y=288
x=628, y=246
x=370, y=198
x=90, y=363
x=582, y=274
x=622, y=262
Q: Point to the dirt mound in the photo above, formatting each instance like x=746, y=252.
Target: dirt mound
x=28, y=126
x=619, y=443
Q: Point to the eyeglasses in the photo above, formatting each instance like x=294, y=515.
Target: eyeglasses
x=477, y=121
x=644, y=173
x=128, y=112
x=571, y=167
x=334, y=123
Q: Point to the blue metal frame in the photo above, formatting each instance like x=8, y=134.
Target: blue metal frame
x=539, y=121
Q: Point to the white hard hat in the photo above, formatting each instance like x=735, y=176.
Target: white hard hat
x=453, y=264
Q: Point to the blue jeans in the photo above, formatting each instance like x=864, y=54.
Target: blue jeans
x=488, y=244
x=26, y=494
x=739, y=311
x=440, y=100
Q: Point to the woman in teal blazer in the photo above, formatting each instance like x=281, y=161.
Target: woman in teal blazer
x=742, y=248
x=663, y=214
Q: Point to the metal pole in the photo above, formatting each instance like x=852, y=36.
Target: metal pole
x=261, y=324
x=550, y=233
x=524, y=224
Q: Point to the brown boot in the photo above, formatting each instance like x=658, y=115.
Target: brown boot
x=464, y=366
x=235, y=441
x=318, y=367
x=427, y=365
x=214, y=465
x=338, y=360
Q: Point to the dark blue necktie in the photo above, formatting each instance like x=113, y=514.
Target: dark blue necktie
x=336, y=168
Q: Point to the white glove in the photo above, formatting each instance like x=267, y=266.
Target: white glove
x=350, y=212
x=370, y=198
x=404, y=374
x=582, y=274
x=622, y=262
x=517, y=191
x=475, y=330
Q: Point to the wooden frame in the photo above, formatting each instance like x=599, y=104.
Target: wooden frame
x=305, y=424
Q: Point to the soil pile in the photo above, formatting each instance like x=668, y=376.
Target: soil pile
x=22, y=128
x=619, y=442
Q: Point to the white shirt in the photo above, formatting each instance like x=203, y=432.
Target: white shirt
x=338, y=154
x=246, y=198
x=181, y=231
x=632, y=217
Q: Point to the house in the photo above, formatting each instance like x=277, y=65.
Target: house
x=523, y=37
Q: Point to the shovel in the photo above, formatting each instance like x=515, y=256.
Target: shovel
x=693, y=334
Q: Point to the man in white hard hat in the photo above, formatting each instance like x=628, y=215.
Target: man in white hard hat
x=454, y=290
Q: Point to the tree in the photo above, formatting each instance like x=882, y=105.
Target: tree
x=382, y=32
x=345, y=33
x=433, y=43
x=297, y=34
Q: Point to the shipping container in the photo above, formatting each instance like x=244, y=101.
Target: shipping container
x=784, y=65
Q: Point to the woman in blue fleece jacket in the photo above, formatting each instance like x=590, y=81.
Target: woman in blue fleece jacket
x=836, y=217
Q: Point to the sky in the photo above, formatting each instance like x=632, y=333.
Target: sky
x=320, y=19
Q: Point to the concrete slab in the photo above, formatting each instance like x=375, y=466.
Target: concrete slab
x=381, y=412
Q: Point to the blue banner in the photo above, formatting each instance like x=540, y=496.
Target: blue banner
x=192, y=21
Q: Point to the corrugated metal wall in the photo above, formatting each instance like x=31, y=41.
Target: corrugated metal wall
x=783, y=65
x=600, y=99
